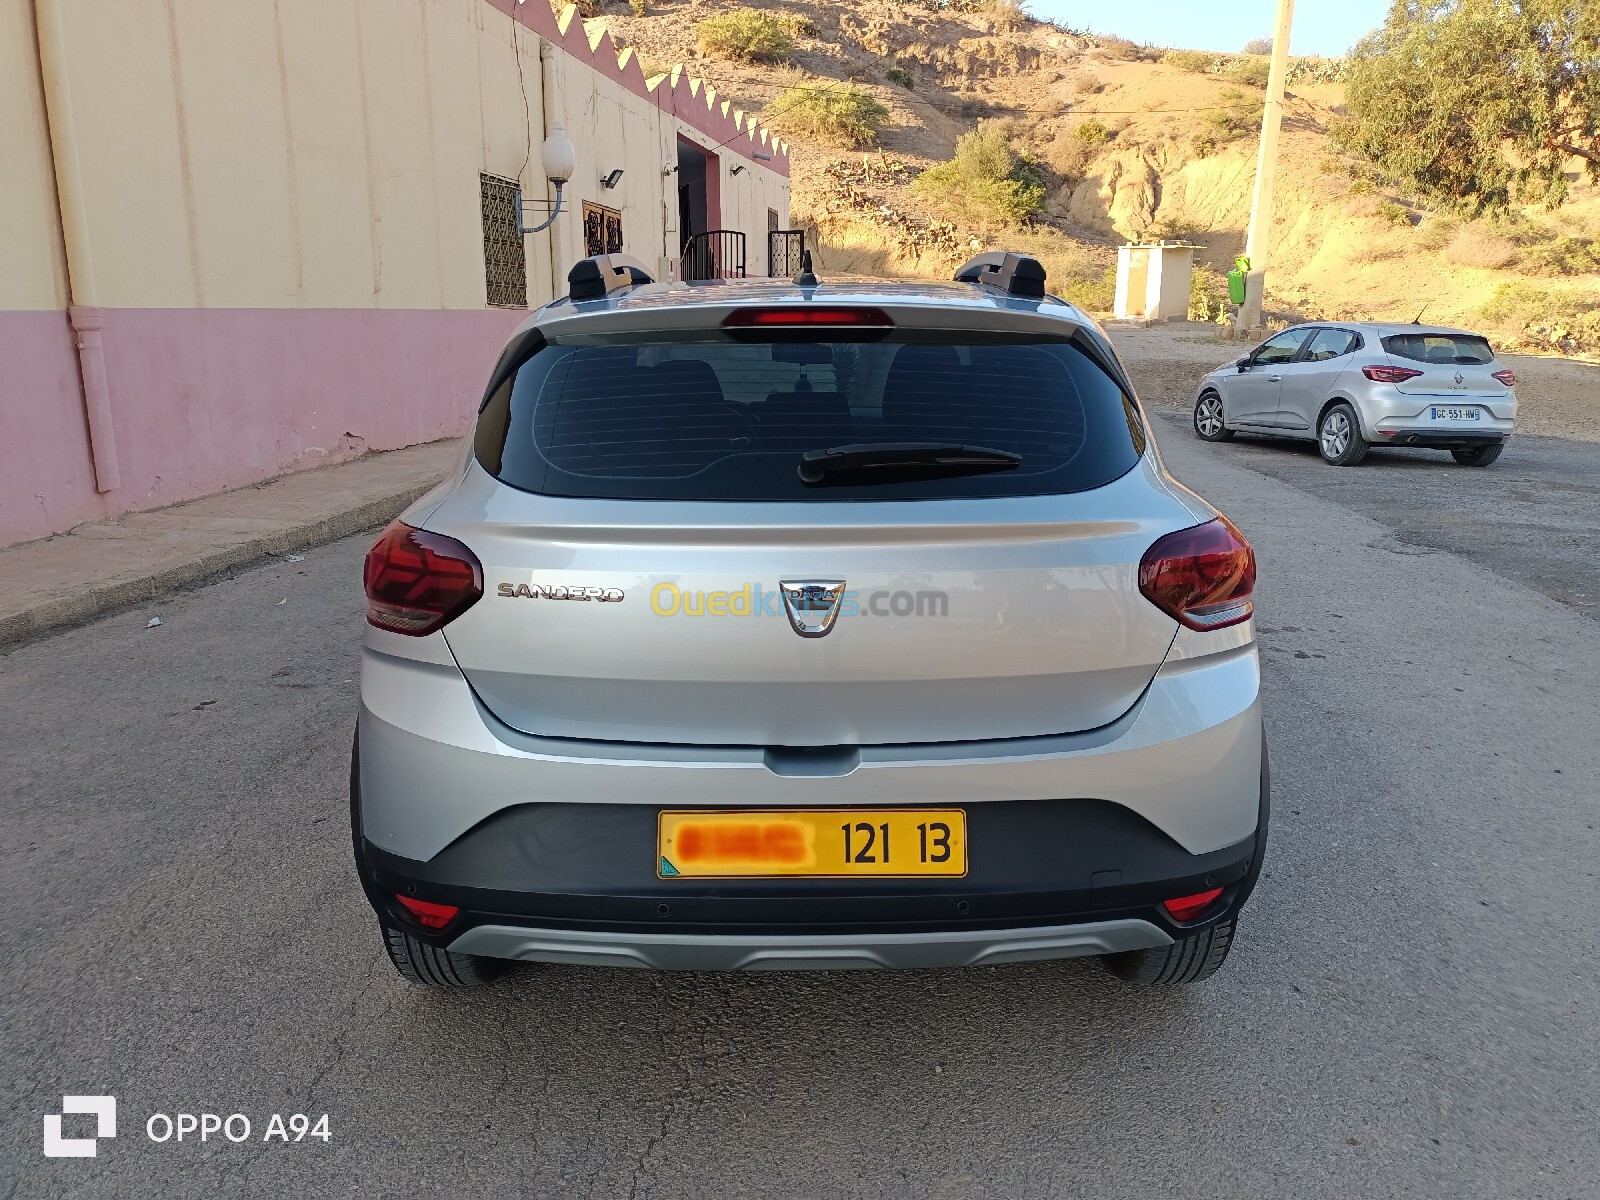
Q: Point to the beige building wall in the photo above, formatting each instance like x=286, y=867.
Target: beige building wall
x=33, y=273
x=325, y=153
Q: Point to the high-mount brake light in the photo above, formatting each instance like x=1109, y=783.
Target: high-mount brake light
x=1390, y=374
x=1509, y=378
x=418, y=581
x=800, y=316
x=1204, y=576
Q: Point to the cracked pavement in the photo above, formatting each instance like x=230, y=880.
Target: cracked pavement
x=1410, y=1010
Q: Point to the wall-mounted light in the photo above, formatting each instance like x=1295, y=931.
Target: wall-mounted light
x=737, y=170
x=611, y=180
x=560, y=159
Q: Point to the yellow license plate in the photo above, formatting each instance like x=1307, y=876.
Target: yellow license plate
x=837, y=842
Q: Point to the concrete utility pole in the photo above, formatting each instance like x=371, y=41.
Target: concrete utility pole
x=1256, y=246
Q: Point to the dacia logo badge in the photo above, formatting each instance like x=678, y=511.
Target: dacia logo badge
x=812, y=604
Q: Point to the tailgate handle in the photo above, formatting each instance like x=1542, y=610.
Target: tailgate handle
x=812, y=762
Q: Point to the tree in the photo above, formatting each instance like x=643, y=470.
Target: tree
x=1258, y=46
x=1478, y=104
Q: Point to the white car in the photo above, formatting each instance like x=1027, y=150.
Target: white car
x=1350, y=387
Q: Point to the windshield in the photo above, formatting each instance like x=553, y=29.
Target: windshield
x=717, y=417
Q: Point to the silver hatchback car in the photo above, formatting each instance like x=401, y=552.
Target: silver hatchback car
x=1352, y=387
x=771, y=625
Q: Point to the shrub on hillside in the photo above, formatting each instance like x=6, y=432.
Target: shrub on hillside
x=1120, y=48
x=1090, y=85
x=1253, y=71
x=987, y=182
x=1190, y=60
x=1260, y=46
x=1480, y=246
x=1563, y=256
x=639, y=8
x=1395, y=213
x=745, y=34
x=1007, y=13
x=1208, y=295
x=900, y=77
x=797, y=24
x=1094, y=293
x=1547, y=318
x=848, y=117
x=1092, y=132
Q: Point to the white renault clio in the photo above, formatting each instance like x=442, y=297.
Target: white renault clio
x=773, y=625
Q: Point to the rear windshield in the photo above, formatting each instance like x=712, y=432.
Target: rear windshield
x=1450, y=349
x=709, y=417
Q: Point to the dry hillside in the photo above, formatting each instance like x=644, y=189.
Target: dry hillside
x=1130, y=142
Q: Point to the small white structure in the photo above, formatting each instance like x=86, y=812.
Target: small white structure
x=1153, y=280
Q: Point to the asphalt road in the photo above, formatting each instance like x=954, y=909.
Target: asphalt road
x=1411, y=1010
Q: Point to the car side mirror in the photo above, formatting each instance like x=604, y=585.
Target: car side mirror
x=1244, y=363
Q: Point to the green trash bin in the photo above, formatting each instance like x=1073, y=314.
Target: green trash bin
x=1236, y=278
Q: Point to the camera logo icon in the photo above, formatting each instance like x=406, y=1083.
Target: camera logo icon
x=102, y=1108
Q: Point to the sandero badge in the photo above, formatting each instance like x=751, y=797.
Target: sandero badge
x=812, y=604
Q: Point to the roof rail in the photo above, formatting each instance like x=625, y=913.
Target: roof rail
x=1014, y=274
x=599, y=276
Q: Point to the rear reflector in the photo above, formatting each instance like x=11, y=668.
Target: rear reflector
x=1203, y=576
x=1390, y=374
x=1187, y=908
x=436, y=916
x=418, y=581
x=791, y=317
x=1509, y=378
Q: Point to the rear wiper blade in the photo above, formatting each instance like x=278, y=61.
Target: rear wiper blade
x=815, y=465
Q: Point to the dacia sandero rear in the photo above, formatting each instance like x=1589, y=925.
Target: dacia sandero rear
x=772, y=625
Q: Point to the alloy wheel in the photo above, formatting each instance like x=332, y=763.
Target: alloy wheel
x=1335, y=435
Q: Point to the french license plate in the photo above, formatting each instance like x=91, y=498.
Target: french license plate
x=1455, y=414
x=829, y=842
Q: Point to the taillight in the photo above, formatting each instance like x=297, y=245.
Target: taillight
x=1509, y=378
x=1390, y=374
x=1203, y=576
x=1187, y=908
x=435, y=916
x=803, y=315
x=418, y=581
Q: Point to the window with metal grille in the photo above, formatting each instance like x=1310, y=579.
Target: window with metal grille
x=505, y=266
x=602, y=229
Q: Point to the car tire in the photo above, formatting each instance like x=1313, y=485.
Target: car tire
x=1191, y=958
x=430, y=966
x=1208, y=426
x=1339, y=436
x=1478, y=456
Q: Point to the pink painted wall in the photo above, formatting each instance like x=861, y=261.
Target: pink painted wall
x=48, y=482
x=204, y=400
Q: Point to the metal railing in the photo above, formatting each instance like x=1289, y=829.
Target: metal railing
x=718, y=254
